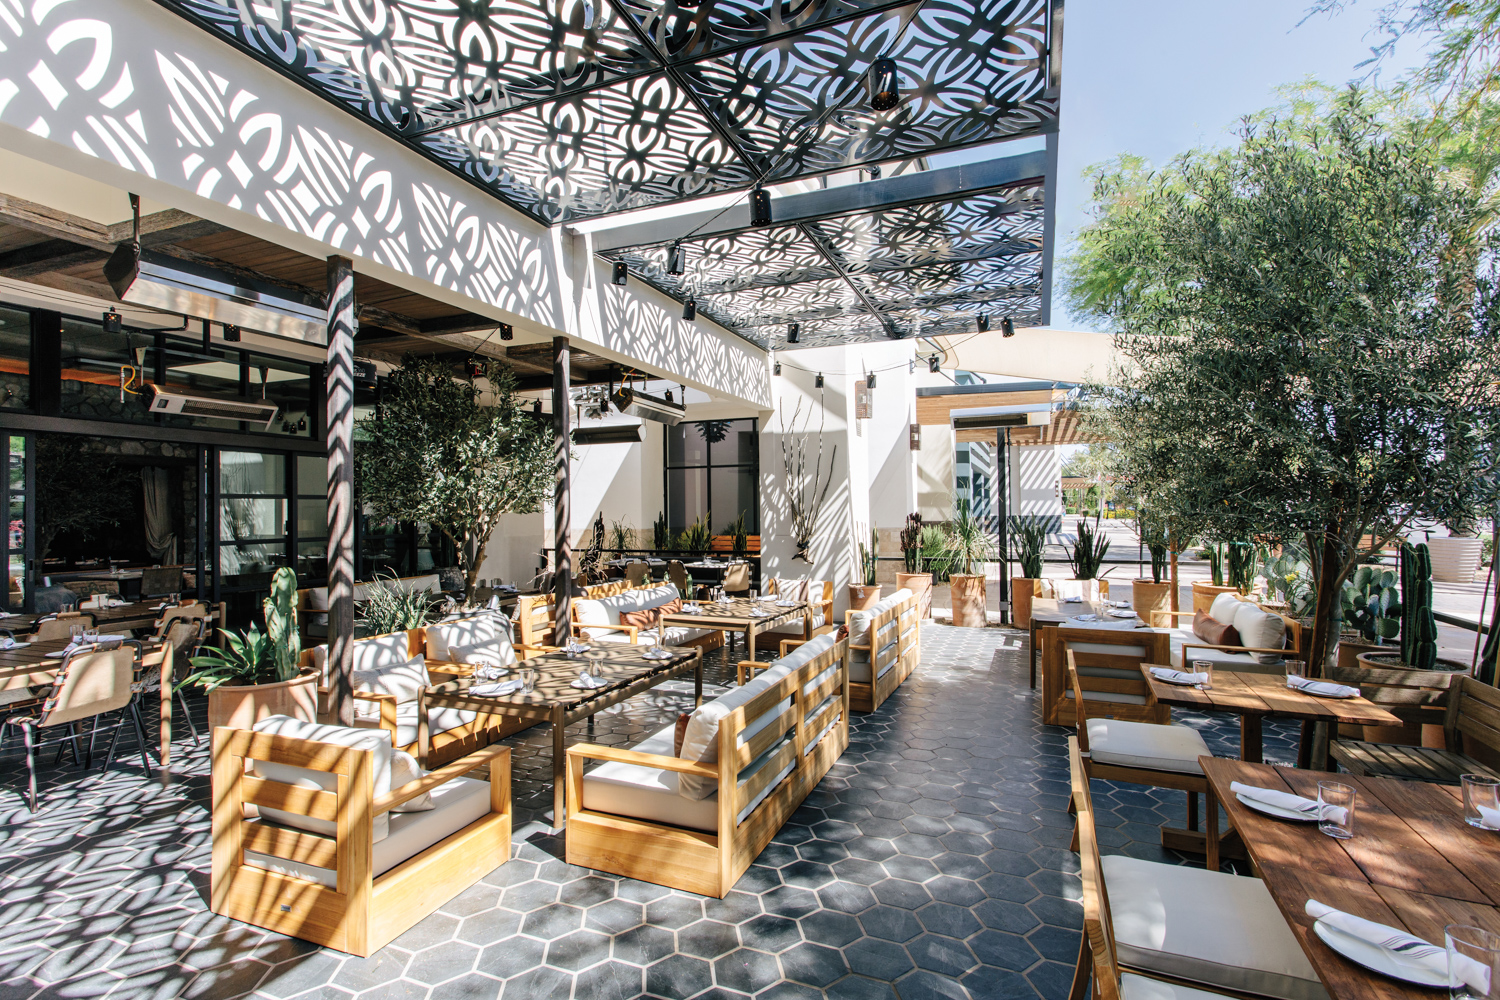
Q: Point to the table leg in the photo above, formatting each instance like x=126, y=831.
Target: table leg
x=698, y=679
x=559, y=766
x=165, y=756
x=1312, y=745
x=1250, y=732
x=1032, y=651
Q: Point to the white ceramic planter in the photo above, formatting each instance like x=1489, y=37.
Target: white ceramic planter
x=1455, y=560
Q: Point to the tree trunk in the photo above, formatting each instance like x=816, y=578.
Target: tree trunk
x=1328, y=577
x=1175, y=585
x=471, y=571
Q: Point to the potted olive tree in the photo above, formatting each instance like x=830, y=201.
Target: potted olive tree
x=970, y=546
x=1030, y=535
x=255, y=675
x=915, y=579
x=864, y=594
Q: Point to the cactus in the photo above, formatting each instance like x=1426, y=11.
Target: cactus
x=1240, y=560
x=1418, y=626
x=281, y=624
x=911, y=543
x=868, y=558
x=1372, y=603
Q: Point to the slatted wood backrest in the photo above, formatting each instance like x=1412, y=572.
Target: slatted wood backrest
x=1419, y=696
x=1473, y=722
x=1111, y=659
x=725, y=543
x=1098, y=929
x=349, y=807
x=609, y=589
x=638, y=573
x=534, y=619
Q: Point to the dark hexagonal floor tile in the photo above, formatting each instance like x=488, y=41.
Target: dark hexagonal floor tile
x=679, y=976
x=878, y=958
x=945, y=918
x=609, y=981
x=771, y=933
x=900, y=892
x=552, y=921
x=578, y=950
x=707, y=939
x=941, y=954
x=813, y=964
x=644, y=945
x=746, y=971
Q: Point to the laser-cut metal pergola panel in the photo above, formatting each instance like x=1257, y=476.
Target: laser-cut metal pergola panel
x=928, y=269
x=570, y=109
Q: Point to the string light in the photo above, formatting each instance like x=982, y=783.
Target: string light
x=793, y=333
x=818, y=382
x=690, y=310
x=760, y=206
x=983, y=323
x=622, y=273
x=885, y=86
x=1007, y=327
x=933, y=365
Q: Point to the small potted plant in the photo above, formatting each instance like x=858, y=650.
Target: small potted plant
x=863, y=595
x=915, y=579
x=255, y=675
x=970, y=546
x=1089, y=550
x=1030, y=534
x=1155, y=594
x=740, y=538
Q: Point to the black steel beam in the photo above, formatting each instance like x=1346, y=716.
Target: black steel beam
x=884, y=195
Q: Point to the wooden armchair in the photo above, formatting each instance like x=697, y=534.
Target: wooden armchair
x=1470, y=718
x=890, y=651
x=534, y=621
x=349, y=893
x=1113, y=656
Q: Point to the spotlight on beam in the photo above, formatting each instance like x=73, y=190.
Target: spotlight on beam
x=676, y=259
x=818, y=382
x=690, y=310
x=507, y=332
x=621, y=274
x=1007, y=327
x=982, y=322
x=885, y=85
x=870, y=381
x=760, y=206
x=793, y=333
x=934, y=365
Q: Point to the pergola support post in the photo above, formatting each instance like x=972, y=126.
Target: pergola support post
x=339, y=400
x=562, y=563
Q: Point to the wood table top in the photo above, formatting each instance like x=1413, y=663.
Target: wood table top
x=621, y=665
x=134, y=611
x=1246, y=693
x=1412, y=863
x=738, y=613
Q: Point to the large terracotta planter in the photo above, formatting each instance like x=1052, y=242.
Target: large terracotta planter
x=1204, y=594
x=968, y=600
x=1411, y=734
x=242, y=706
x=920, y=584
x=1147, y=596
x=1023, y=590
x=862, y=597
x=1455, y=560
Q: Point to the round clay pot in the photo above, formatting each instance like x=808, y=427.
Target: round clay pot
x=920, y=584
x=862, y=597
x=1023, y=590
x=241, y=706
x=1147, y=596
x=1204, y=594
x=968, y=600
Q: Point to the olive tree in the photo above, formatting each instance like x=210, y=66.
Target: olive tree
x=445, y=451
x=1307, y=358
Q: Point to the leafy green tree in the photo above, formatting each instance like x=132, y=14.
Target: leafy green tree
x=1308, y=357
x=438, y=450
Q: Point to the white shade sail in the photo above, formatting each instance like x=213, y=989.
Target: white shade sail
x=1035, y=353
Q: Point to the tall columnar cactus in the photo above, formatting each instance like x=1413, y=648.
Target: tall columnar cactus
x=1418, y=626
x=281, y=623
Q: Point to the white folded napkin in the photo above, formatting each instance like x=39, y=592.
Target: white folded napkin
x=1489, y=817
x=1086, y=618
x=787, y=604
x=1070, y=600
x=656, y=653
x=725, y=599
x=588, y=683
x=9, y=643
x=576, y=647
x=1286, y=800
x=488, y=673
x=101, y=641
x=1327, y=689
x=1402, y=945
x=1178, y=676
x=691, y=609
x=495, y=689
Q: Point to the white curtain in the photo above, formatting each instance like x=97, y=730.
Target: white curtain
x=160, y=540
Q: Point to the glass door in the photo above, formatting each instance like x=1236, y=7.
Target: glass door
x=18, y=537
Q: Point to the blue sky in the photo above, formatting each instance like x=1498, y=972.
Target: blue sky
x=1160, y=77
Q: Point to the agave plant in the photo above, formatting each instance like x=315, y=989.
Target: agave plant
x=255, y=657
x=968, y=542
x=936, y=558
x=1089, y=550
x=391, y=607
x=1030, y=533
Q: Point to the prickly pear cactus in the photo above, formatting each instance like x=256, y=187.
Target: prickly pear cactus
x=281, y=623
x=1418, y=626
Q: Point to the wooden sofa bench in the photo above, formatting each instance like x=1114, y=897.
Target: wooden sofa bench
x=884, y=648
x=1470, y=715
x=820, y=596
x=338, y=866
x=597, y=619
x=766, y=745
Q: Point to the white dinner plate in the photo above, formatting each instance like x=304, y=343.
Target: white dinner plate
x=1122, y=614
x=1376, y=959
x=1277, y=811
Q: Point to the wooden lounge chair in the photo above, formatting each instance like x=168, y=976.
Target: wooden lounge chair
x=1470, y=719
x=1112, y=656
x=885, y=644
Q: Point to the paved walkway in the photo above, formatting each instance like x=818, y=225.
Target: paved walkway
x=931, y=862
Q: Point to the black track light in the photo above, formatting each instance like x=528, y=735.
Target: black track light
x=760, y=206
x=934, y=365
x=983, y=322
x=622, y=273
x=507, y=332
x=870, y=381
x=113, y=322
x=472, y=369
x=793, y=332
x=676, y=259
x=536, y=407
x=690, y=310
x=885, y=87
x=231, y=333
x=1007, y=327
x=777, y=369
x=818, y=382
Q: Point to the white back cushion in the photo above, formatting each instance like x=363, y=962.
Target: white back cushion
x=1224, y=608
x=464, y=632
x=1260, y=629
x=404, y=680
x=369, y=654
x=591, y=612
x=376, y=740
x=701, y=741
x=796, y=590
x=497, y=652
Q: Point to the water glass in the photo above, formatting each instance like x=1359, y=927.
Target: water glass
x=75, y=633
x=1473, y=963
x=754, y=594
x=91, y=634
x=528, y=679
x=1335, y=810
x=1481, y=801
x=1294, y=668
x=1206, y=668
x=596, y=662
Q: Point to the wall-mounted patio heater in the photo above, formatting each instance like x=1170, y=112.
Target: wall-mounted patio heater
x=634, y=403
x=171, y=285
x=611, y=434
x=252, y=411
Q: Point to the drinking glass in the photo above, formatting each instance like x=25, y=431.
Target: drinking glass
x=754, y=594
x=1481, y=801
x=1206, y=668
x=91, y=634
x=528, y=679
x=1332, y=797
x=1295, y=668
x=1473, y=963
x=596, y=662
x=75, y=633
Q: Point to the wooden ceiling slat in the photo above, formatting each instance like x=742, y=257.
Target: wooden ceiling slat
x=938, y=409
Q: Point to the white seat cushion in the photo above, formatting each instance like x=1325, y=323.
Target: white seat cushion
x=648, y=793
x=1140, y=988
x=1142, y=744
x=1106, y=696
x=794, y=627
x=404, y=680
x=378, y=741
x=1205, y=927
x=456, y=803
x=439, y=720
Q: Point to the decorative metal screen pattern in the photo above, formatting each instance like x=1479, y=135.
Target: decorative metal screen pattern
x=570, y=109
x=924, y=269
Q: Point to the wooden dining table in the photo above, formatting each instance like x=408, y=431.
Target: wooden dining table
x=134, y=615
x=741, y=614
x=1412, y=863
x=1254, y=697
x=26, y=674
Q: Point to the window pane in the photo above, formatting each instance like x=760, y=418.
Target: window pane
x=312, y=477
x=15, y=359
x=251, y=472
x=288, y=386
x=243, y=560
x=247, y=517
x=17, y=463
x=312, y=519
x=92, y=362
x=731, y=442
x=312, y=559
x=733, y=491
x=687, y=497
x=686, y=445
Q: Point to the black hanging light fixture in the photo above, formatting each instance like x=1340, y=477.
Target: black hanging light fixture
x=676, y=259
x=885, y=86
x=818, y=382
x=934, y=365
x=690, y=310
x=1007, y=327
x=776, y=370
x=621, y=274
x=983, y=322
x=760, y=206
x=793, y=332
x=536, y=407
x=870, y=381
x=507, y=332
